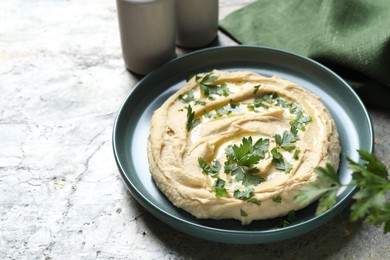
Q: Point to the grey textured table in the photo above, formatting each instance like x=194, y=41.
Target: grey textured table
x=62, y=80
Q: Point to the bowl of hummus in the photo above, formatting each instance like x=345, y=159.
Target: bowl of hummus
x=238, y=145
x=218, y=143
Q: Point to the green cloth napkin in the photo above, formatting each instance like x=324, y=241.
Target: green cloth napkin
x=351, y=37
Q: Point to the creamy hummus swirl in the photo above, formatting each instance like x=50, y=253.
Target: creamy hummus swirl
x=199, y=133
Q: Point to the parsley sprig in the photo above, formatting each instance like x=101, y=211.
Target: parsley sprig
x=191, y=120
x=219, y=188
x=280, y=162
x=241, y=163
x=266, y=100
x=286, y=141
x=370, y=204
x=241, y=160
x=256, y=89
x=300, y=121
x=189, y=97
x=209, y=88
x=243, y=194
x=210, y=169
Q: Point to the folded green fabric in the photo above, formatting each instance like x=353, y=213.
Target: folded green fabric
x=351, y=37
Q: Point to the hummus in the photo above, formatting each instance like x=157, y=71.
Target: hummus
x=238, y=145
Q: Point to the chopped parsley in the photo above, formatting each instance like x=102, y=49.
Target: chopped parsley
x=191, y=122
x=241, y=160
x=210, y=169
x=219, y=188
x=243, y=213
x=248, y=154
x=254, y=201
x=256, y=89
x=243, y=194
x=240, y=163
x=277, y=199
x=200, y=102
x=300, y=121
x=207, y=114
x=222, y=111
x=260, y=102
x=265, y=98
x=279, y=162
x=296, y=154
x=233, y=104
x=252, y=108
x=281, y=102
x=208, y=88
x=286, y=141
x=187, y=97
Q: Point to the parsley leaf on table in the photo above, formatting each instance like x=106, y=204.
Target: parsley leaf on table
x=369, y=203
x=370, y=200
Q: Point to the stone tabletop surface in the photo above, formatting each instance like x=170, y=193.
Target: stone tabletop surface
x=62, y=81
